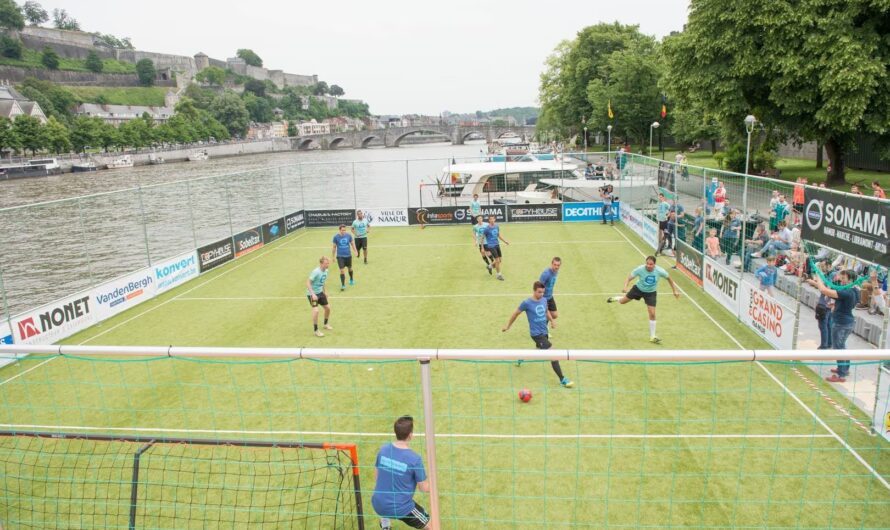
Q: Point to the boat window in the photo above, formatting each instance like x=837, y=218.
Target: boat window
x=520, y=181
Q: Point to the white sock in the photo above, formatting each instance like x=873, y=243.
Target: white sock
x=615, y=298
x=651, y=328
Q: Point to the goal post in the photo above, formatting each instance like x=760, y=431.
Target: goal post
x=98, y=481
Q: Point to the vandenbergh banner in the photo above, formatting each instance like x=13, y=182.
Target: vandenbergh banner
x=852, y=224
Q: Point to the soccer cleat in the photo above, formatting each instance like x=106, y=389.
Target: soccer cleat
x=351, y=282
x=366, y=261
x=609, y=300
x=500, y=277
x=519, y=363
x=566, y=383
x=328, y=326
x=489, y=268
x=318, y=333
x=655, y=340
x=342, y=287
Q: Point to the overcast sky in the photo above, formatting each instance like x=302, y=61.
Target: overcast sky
x=399, y=56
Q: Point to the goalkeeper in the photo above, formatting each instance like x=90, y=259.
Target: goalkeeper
x=398, y=471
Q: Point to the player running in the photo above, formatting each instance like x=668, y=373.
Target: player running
x=479, y=241
x=535, y=309
x=318, y=295
x=342, y=249
x=492, y=233
x=360, y=229
x=548, y=278
x=645, y=288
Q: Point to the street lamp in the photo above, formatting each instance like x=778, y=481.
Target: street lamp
x=654, y=125
x=750, y=121
x=585, y=138
x=609, y=145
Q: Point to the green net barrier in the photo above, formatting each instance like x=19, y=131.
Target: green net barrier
x=633, y=445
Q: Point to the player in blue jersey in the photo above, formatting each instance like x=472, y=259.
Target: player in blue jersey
x=398, y=472
x=342, y=250
x=646, y=289
x=548, y=278
x=479, y=241
x=492, y=233
x=318, y=295
x=535, y=309
x=360, y=229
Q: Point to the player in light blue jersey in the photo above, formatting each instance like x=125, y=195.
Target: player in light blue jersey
x=318, y=295
x=360, y=229
x=646, y=289
x=479, y=241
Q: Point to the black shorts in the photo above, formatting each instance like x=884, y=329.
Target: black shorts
x=542, y=342
x=662, y=225
x=418, y=518
x=344, y=262
x=636, y=294
x=551, y=304
x=482, y=248
x=361, y=243
x=322, y=300
x=495, y=251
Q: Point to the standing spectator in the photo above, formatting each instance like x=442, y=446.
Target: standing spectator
x=606, y=197
x=879, y=300
x=854, y=189
x=759, y=238
x=681, y=161
x=720, y=199
x=661, y=215
x=698, y=228
x=797, y=198
x=767, y=275
x=709, y=197
x=773, y=201
x=679, y=219
x=732, y=235
x=781, y=240
x=781, y=210
x=878, y=190
x=712, y=244
x=398, y=472
x=842, y=318
x=823, y=318
x=667, y=241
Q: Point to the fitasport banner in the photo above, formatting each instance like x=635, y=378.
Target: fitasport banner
x=767, y=316
x=439, y=215
x=329, y=217
x=386, y=216
x=248, y=241
x=639, y=223
x=123, y=293
x=295, y=221
x=176, y=271
x=53, y=322
x=535, y=212
x=215, y=254
x=273, y=231
x=722, y=284
x=852, y=224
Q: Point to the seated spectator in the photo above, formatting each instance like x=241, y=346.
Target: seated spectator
x=767, y=275
x=780, y=240
x=759, y=238
x=854, y=189
x=712, y=244
x=868, y=289
x=879, y=299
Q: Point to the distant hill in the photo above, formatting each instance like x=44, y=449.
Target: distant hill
x=520, y=113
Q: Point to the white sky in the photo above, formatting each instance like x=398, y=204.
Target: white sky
x=400, y=56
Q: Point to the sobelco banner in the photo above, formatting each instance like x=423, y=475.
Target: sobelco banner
x=587, y=211
x=329, y=217
x=689, y=261
x=248, y=241
x=767, y=316
x=854, y=225
x=215, y=254
x=386, y=216
x=55, y=321
x=642, y=225
x=123, y=293
x=535, y=212
x=295, y=221
x=273, y=230
x=437, y=215
x=722, y=284
x=175, y=271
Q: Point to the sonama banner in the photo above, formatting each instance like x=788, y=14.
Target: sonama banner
x=852, y=224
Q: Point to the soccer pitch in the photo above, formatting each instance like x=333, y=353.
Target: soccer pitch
x=684, y=445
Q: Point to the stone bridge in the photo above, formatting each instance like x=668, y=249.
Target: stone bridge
x=393, y=136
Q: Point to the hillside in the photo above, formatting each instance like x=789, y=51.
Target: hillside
x=150, y=96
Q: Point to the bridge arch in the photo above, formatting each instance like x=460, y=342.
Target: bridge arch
x=335, y=143
x=306, y=143
x=412, y=132
x=472, y=135
x=368, y=139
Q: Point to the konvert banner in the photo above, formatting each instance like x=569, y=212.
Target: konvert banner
x=329, y=217
x=852, y=224
x=215, y=254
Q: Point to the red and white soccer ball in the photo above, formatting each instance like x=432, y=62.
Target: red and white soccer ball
x=525, y=395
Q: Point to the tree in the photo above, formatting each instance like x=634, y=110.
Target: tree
x=231, y=112
x=55, y=100
x=260, y=109
x=94, y=63
x=135, y=133
x=250, y=57
x=145, y=70
x=337, y=91
x=320, y=88
x=85, y=132
x=28, y=130
x=56, y=136
x=113, y=42
x=10, y=15
x=50, y=58
x=212, y=75
x=107, y=135
x=810, y=69
x=291, y=128
x=255, y=86
x=34, y=13
x=10, y=47
x=62, y=20
x=8, y=137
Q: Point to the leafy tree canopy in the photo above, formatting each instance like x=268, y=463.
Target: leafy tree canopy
x=250, y=57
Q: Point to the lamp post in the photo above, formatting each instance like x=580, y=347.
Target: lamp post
x=585, y=138
x=750, y=121
x=609, y=145
x=652, y=127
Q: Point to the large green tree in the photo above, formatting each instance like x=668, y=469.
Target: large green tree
x=62, y=20
x=250, y=57
x=28, y=129
x=810, y=69
x=8, y=137
x=229, y=109
x=34, y=13
x=212, y=75
x=56, y=136
x=145, y=70
x=11, y=15
x=85, y=132
x=50, y=58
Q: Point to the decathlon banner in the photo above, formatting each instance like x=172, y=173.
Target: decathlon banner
x=123, y=293
x=175, y=271
x=722, y=283
x=639, y=223
x=55, y=321
x=587, y=211
x=852, y=224
x=767, y=316
x=386, y=216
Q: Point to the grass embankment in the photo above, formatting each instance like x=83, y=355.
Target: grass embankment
x=31, y=59
x=152, y=96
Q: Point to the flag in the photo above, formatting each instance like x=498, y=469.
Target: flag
x=664, y=109
x=611, y=115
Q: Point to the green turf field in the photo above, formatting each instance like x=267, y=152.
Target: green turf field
x=685, y=445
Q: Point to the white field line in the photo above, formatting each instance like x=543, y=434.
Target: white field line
x=387, y=297
x=56, y=428
x=787, y=390
x=468, y=244
x=16, y=376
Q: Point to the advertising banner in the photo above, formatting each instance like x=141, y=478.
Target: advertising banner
x=438, y=215
x=295, y=221
x=54, y=322
x=689, y=261
x=881, y=416
x=175, y=271
x=329, y=217
x=666, y=175
x=535, y=212
x=588, y=211
x=642, y=225
x=722, y=284
x=273, y=231
x=766, y=316
x=5, y=333
x=386, y=216
x=215, y=254
x=248, y=241
x=123, y=293
x=852, y=224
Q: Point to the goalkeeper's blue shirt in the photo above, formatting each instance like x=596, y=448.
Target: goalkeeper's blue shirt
x=398, y=472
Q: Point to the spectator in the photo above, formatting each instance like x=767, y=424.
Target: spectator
x=854, y=189
x=709, y=197
x=661, y=215
x=780, y=240
x=767, y=275
x=679, y=220
x=822, y=185
x=773, y=201
x=720, y=198
x=781, y=210
x=797, y=198
x=867, y=290
x=667, y=241
x=698, y=228
x=759, y=238
x=731, y=235
x=842, y=318
x=712, y=244
x=823, y=312
x=879, y=299
x=878, y=190
x=681, y=161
